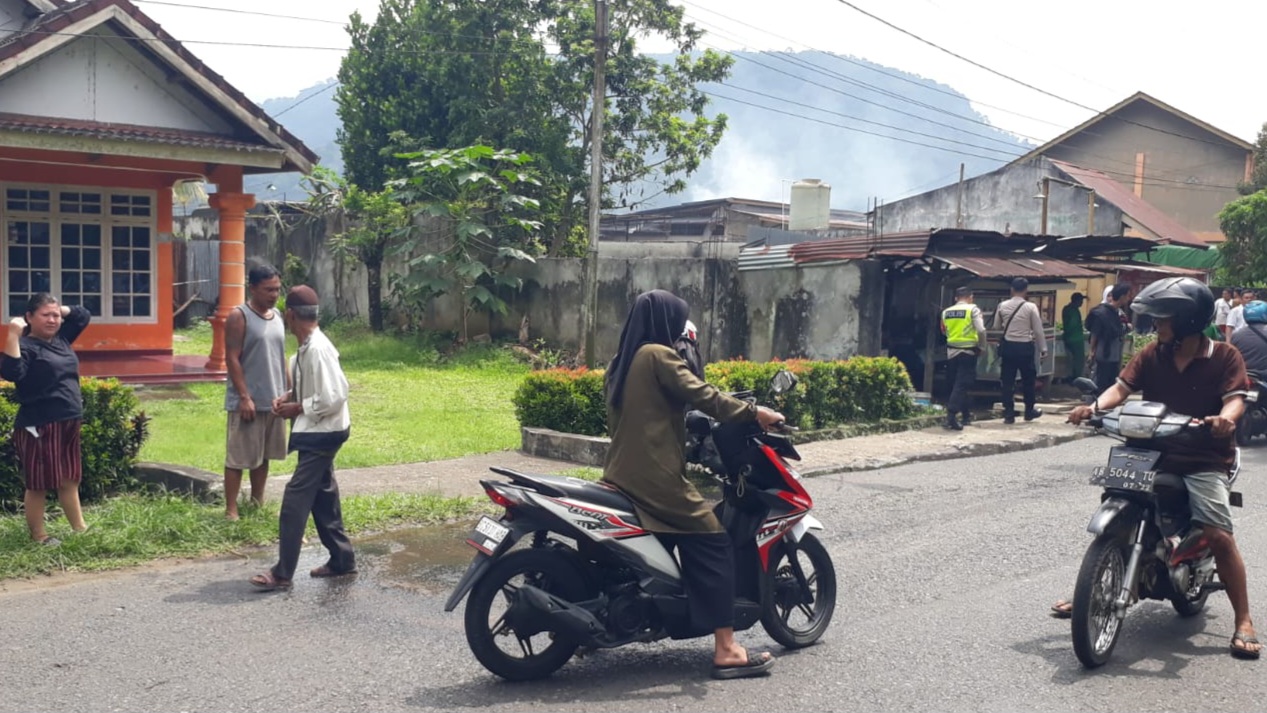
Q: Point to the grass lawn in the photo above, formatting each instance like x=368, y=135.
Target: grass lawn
x=409, y=403
x=132, y=529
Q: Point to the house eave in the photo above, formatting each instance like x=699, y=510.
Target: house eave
x=295, y=160
x=263, y=158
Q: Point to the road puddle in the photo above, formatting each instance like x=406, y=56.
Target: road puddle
x=424, y=559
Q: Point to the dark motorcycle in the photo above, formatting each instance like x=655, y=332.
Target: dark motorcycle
x=1254, y=422
x=1145, y=545
x=590, y=576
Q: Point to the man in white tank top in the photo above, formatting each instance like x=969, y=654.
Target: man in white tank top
x=255, y=352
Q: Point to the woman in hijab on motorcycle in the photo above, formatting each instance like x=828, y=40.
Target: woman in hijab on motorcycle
x=648, y=386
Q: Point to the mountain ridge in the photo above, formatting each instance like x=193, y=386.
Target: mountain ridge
x=854, y=124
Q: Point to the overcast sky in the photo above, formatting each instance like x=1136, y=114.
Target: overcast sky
x=1204, y=58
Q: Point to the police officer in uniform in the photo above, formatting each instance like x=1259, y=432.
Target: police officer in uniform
x=964, y=328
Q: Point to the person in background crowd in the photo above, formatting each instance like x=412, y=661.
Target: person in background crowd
x=255, y=355
x=1236, y=317
x=39, y=360
x=964, y=327
x=1022, y=341
x=1109, y=332
x=1074, y=336
x=318, y=404
x=1223, y=307
x=1251, y=341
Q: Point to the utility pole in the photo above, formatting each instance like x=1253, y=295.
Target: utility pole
x=589, y=305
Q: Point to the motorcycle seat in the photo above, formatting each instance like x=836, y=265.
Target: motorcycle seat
x=564, y=487
x=1169, y=481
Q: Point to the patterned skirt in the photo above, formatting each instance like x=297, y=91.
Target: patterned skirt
x=53, y=459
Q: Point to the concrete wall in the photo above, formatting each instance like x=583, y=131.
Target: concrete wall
x=1190, y=179
x=1003, y=200
x=827, y=312
x=340, y=283
x=814, y=312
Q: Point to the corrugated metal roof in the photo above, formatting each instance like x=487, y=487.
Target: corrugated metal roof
x=861, y=246
x=1146, y=215
x=764, y=257
x=1007, y=267
x=1131, y=266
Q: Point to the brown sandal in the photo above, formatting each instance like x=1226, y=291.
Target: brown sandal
x=326, y=570
x=268, y=583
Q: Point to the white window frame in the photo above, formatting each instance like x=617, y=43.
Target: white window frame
x=108, y=222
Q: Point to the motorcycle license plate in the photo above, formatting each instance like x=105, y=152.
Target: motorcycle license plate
x=1127, y=469
x=488, y=536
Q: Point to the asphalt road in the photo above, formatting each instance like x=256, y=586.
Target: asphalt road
x=946, y=572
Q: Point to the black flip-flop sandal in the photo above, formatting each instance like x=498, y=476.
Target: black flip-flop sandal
x=1243, y=653
x=1058, y=611
x=758, y=667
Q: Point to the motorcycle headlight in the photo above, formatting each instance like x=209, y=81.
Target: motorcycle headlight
x=1137, y=426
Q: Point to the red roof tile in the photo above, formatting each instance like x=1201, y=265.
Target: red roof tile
x=1148, y=216
x=53, y=23
x=127, y=132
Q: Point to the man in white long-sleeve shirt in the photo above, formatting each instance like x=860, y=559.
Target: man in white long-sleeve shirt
x=1023, y=340
x=318, y=405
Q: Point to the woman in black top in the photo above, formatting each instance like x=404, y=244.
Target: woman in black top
x=38, y=359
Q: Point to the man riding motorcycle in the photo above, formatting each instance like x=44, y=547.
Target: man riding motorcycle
x=1195, y=376
x=1251, y=341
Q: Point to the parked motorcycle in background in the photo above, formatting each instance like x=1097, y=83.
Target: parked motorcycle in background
x=590, y=576
x=1145, y=545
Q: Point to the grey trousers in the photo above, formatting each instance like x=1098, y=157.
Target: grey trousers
x=312, y=490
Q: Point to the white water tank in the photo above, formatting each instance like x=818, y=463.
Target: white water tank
x=811, y=205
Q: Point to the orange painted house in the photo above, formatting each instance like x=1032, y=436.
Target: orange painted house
x=101, y=114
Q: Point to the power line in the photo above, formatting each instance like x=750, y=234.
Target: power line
x=877, y=70
x=869, y=121
x=849, y=128
x=818, y=70
x=861, y=99
x=253, y=13
x=319, y=92
x=1014, y=80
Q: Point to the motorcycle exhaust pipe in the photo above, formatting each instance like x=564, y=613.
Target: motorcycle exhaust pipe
x=568, y=619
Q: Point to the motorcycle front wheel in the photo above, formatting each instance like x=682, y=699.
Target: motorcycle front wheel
x=508, y=639
x=1095, y=624
x=795, y=615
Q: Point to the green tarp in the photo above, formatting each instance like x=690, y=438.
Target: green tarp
x=1178, y=256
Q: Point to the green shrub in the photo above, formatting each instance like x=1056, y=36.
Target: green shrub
x=567, y=400
x=858, y=390
x=830, y=393
x=112, y=434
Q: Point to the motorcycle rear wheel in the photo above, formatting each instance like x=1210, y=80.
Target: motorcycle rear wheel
x=1095, y=626
x=545, y=569
x=786, y=593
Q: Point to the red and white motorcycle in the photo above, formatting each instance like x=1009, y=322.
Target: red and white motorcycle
x=590, y=576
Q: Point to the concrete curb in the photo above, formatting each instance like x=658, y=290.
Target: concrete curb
x=967, y=450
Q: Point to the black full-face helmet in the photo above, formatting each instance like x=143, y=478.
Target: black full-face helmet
x=1188, y=303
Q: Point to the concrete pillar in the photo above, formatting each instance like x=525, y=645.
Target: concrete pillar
x=232, y=208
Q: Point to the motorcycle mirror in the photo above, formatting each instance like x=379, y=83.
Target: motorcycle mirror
x=1085, y=385
x=783, y=381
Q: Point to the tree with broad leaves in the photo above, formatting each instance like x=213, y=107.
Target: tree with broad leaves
x=454, y=73
x=1244, y=222
x=363, y=225
x=471, y=220
x=1258, y=179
